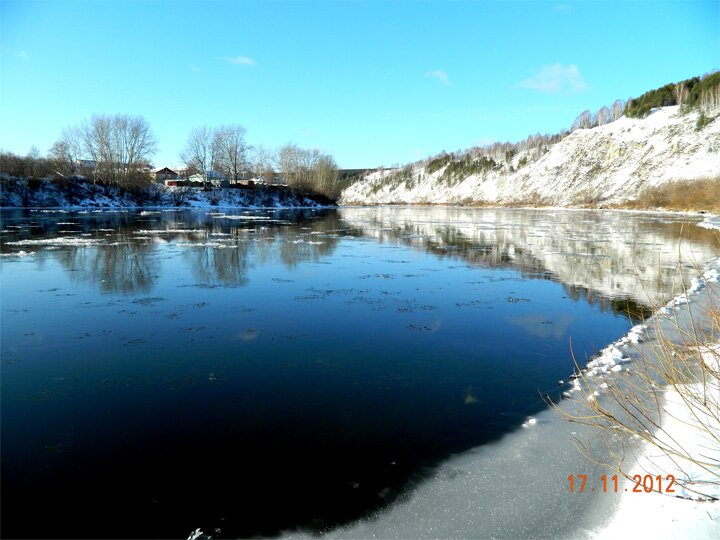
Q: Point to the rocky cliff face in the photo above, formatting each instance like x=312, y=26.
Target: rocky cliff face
x=604, y=165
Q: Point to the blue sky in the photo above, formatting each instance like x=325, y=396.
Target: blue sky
x=373, y=83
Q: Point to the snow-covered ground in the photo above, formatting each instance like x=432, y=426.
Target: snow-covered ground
x=695, y=511
x=606, y=164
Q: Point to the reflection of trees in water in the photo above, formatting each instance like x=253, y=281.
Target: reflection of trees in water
x=124, y=265
x=624, y=306
x=226, y=265
x=610, y=255
x=614, y=255
x=291, y=238
x=220, y=249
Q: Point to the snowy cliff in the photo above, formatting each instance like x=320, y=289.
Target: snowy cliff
x=607, y=164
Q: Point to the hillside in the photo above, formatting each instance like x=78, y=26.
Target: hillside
x=605, y=165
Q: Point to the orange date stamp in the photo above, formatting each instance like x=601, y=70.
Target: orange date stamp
x=643, y=484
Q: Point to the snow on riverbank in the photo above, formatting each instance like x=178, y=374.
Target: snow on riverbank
x=690, y=427
x=606, y=164
x=694, y=512
x=19, y=193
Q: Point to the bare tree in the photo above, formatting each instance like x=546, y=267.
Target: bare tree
x=120, y=146
x=681, y=92
x=66, y=152
x=33, y=163
x=263, y=160
x=199, y=150
x=583, y=121
x=289, y=163
x=710, y=99
x=96, y=142
x=308, y=169
x=230, y=150
x=618, y=108
x=603, y=116
x=326, y=176
x=12, y=164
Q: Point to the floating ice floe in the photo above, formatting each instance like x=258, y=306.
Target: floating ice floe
x=202, y=244
x=608, y=358
x=17, y=254
x=65, y=241
x=710, y=222
x=170, y=231
x=195, y=535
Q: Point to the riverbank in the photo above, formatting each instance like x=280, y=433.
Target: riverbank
x=76, y=194
x=690, y=428
x=690, y=514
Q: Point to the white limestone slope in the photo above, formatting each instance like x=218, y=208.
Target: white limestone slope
x=606, y=164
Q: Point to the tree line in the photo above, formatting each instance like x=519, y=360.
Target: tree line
x=701, y=93
x=697, y=93
x=113, y=148
x=118, y=149
x=224, y=150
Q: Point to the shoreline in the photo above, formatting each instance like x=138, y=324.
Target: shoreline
x=693, y=514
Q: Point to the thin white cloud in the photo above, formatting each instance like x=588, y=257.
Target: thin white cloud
x=440, y=75
x=556, y=78
x=240, y=60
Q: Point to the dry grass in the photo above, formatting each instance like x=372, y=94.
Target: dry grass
x=631, y=405
x=682, y=195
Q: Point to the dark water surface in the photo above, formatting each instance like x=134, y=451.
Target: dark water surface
x=253, y=372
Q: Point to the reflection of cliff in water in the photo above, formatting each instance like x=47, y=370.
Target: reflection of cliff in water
x=609, y=257
x=122, y=252
x=620, y=261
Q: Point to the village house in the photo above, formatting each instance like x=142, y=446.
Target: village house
x=161, y=175
x=214, y=178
